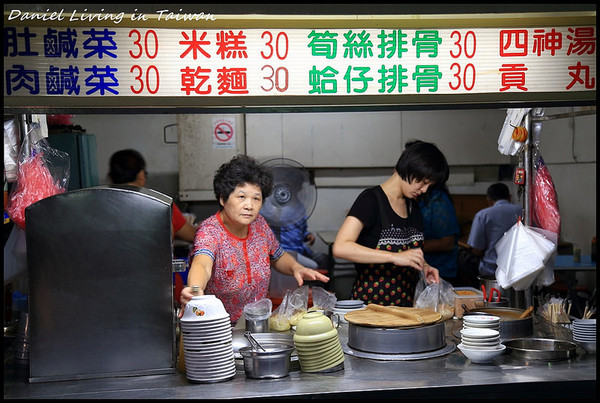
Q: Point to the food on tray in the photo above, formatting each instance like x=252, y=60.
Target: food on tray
x=465, y=292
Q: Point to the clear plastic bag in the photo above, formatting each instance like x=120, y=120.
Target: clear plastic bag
x=297, y=304
x=522, y=254
x=438, y=297
x=11, y=150
x=43, y=171
x=278, y=321
x=258, y=310
x=323, y=299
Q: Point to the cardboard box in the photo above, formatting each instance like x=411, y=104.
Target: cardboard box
x=467, y=296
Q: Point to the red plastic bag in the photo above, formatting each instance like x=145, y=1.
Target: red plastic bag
x=545, y=211
x=42, y=172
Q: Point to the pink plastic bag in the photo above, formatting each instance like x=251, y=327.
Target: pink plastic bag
x=42, y=172
x=545, y=212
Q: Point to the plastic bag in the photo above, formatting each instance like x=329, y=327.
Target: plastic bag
x=11, y=150
x=278, y=321
x=514, y=117
x=546, y=277
x=43, y=171
x=15, y=255
x=297, y=304
x=438, y=297
x=323, y=299
x=258, y=310
x=544, y=203
x=522, y=254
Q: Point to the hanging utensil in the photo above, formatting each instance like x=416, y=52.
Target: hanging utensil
x=255, y=345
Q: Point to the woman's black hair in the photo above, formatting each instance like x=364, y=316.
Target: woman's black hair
x=422, y=160
x=239, y=170
x=125, y=165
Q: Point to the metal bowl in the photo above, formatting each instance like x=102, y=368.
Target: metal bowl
x=272, y=363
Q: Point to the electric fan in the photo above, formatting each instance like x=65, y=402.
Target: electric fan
x=294, y=195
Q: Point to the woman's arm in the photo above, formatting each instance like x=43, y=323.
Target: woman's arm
x=199, y=274
x=286, y=264
x=345, y=247
x=187, y=232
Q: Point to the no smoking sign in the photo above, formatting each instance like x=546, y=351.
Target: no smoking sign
x=223, y=133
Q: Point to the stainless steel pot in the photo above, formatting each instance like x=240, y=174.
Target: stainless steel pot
x=516, y=299
x=397, y=341
x=272, y=363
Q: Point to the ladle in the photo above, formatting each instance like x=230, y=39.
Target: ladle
x=255, y=345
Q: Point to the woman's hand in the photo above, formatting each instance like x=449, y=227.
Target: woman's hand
x=286, y=264
x=432, y=275
x=186, y=295
x=411, y=257
x=302, y=273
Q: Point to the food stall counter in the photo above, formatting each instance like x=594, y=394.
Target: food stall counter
x=448, y=376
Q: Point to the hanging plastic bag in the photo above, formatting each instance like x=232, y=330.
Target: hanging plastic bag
x=544, y=201
x=546, y=277
x=11, y=150
x=43, y=171
x=522, y=254
x=514, y=117
x=438, y=297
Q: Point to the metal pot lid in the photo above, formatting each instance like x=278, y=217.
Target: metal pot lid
x=532, y=348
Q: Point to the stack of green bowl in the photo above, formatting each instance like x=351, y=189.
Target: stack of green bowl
x=317, y=344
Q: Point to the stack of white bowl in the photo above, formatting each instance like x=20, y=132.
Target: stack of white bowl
x=317, y=344
x=584, y=334
x=207, y=340
x=480, y=338
x=344, y=306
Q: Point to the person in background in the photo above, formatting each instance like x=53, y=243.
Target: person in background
x=441, y=230
x=297, y=238
x=235, y=248
x=383, y=231
x=490, y=224
x=128, y=167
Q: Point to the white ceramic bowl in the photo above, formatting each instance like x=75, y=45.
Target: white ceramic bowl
x=481, y=356
x=481, y=333
x=481, y=319
x=202, y=308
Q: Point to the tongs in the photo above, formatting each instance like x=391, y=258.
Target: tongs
x=253, y=343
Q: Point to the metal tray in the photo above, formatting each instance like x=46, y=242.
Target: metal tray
x=540, y=349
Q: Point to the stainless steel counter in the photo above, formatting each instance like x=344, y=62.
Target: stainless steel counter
x=448, y=376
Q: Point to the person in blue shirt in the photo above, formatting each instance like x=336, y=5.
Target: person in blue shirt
x=490, y=224
x=441, y=230
x=297, y=238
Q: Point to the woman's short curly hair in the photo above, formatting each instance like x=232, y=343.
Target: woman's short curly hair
x=240, y=170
